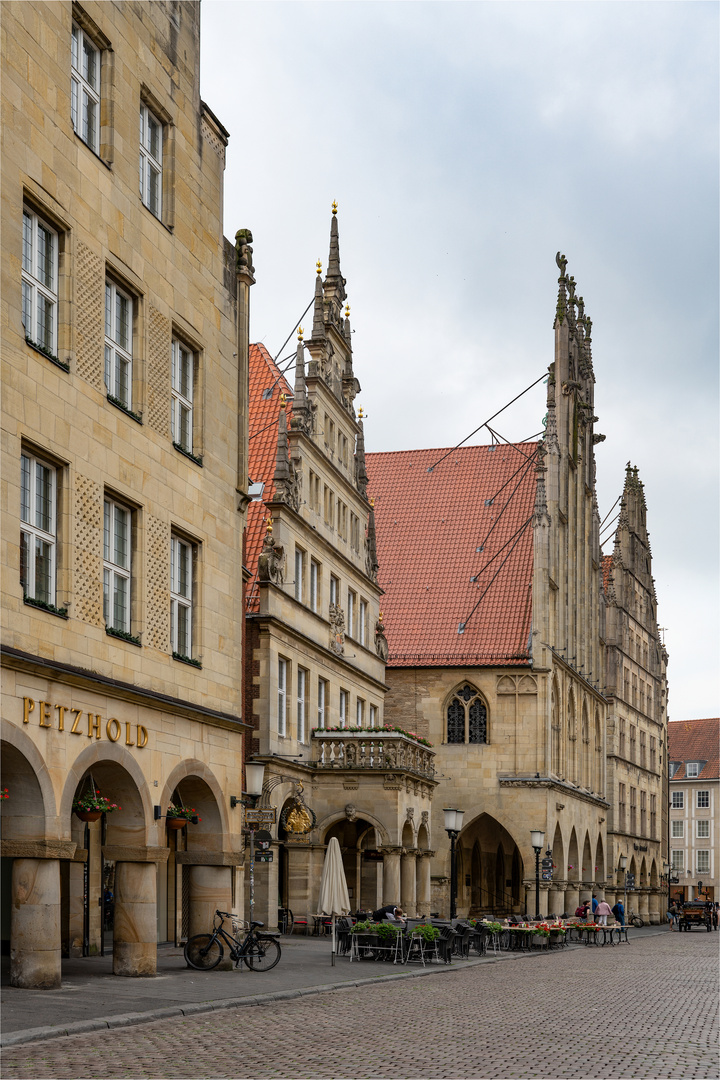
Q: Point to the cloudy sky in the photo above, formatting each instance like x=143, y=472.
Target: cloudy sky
x=465, y=144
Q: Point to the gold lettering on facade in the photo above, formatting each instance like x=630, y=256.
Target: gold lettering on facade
x=141, y=734
x=77, y=713
x=60, y=709
x=114, y=733
x=112, y=730
x=94, y=725
x=45, y=714
x=128, y=740
x=28, y=706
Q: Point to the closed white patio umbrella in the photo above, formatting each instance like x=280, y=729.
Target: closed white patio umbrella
x=334, y=899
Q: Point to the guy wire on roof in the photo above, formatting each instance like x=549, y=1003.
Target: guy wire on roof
x=524, y=468
x=521, y=530
x=610, y=511
x=280, y=375
x=512, y=445
x=498, y=552
x=486, y=422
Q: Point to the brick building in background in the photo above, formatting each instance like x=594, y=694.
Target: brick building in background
x=694, y=754
x=124, y=485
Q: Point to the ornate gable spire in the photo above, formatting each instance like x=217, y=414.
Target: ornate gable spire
x=540, y=515
x=318, y=328
x=334, y=281
x=285, y=478
x=361, y=476
x=301, y=418
x=371, y=559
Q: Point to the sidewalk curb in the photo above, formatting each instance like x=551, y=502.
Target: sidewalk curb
x=81, y=1027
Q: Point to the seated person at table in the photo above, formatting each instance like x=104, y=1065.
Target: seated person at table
x=389, y=912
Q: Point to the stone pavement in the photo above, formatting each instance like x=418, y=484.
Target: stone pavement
x=645, y=1010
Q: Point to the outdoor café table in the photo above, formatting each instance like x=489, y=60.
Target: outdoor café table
x=621, y=932
x=590, y=934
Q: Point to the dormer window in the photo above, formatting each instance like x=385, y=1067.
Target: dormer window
x=692, y=768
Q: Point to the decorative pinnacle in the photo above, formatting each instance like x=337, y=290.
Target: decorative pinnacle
x=283, y=401
x=347, y=311
x=380, y=616
x=372, y=502
x=300, y=333
x=361, y=413
x=318, y=266
x=334, y=207
x=268, y=522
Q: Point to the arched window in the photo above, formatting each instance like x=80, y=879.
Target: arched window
x=467, y=712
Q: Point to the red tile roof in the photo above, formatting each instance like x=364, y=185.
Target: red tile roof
x=695, y=740
x=430, y=529
x=263, y=420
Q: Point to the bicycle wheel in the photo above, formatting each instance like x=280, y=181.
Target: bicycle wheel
x=262, y=954
x=203, y=952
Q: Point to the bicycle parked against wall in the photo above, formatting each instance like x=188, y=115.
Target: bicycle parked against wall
x=259, y=952
x=633, y=919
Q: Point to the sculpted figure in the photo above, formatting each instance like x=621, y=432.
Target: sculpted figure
x=271, y=561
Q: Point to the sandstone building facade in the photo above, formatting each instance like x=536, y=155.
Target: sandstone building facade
x=316, y=649
x=694, y=808
x=124, y=465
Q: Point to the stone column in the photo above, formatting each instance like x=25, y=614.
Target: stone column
x=303, y=884
x=135, y=925
x=407, y=874
x=422, y=885
x=572, y=899
x=586, y=891
x=655, y=910
x=35, y=924
x=544, y=894
x=556, y=902
x=210, y=889
x=643, y=908
x=391, y=875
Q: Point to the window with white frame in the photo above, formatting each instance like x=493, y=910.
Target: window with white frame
x=39, y=282
x=692, y=768
x=118, y=344
x=678, y=829
x=38, y=547
x=181, y=595
x=334, y=589
x=678, y=800
x=299, y=574
x=351, y=613
x=85, y=88
x=360, y=713
x=702, y=861
x=151, y=138
x=314, y=585
x=703, y=829
x=677, y=859
x=181, y=411
x=302, y=676
x=321, y=700
x=117, y=562
x=343, y=708
x=363, y=623
x=282, y=696
x=373, y=716
x=673, y=768
x=703, y=800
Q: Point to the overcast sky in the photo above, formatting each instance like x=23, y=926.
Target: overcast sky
x=465, y=144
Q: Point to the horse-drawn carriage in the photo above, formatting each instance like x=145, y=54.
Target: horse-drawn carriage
x=696, y=913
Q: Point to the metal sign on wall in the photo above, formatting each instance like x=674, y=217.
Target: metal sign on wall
x=256, y=818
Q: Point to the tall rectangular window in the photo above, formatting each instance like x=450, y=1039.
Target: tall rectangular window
x=678, y=800
x=633, y=809
x=85, y=88
x=299, y=575
x=39, y=282
x=703, y=829
x=621, y=738
x=643, y=750
x=363, y=623
x=653, y=754
x=117, y=561
x=351, y=613
x=181, y=591
x=653, y=816
x=151, y=137
x=118, y=344
x=38, y=501
x=632, y=742
x=181, y=410
x=373, y=716
x=354, y=532
x=343, y=708
x=360, y=713
x=282, y=696
x=677, y=859
x=621, y=806
x=702, y=862
x=314, y=585
x=321, y=700
x=643, y=813
x=329, y=506
x=301, y=703
x=703, y=800
x=334, y=589
x=692, y=768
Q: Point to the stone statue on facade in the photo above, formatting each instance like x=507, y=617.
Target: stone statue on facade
x=381, y=644
x=337, y=629
x=271, y=562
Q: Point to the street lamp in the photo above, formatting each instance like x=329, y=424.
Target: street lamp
x=537, y=839
x=453, y=827
x=254, y=775
x=622, y=863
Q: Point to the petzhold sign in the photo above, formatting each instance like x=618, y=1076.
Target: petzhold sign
x=79, y=722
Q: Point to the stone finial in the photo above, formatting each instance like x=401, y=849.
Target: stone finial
x=334, y=281
x=347, y=332
x=371, y=559
x=540, y=514
x=361, y=477
x=287, y=488
x=302, y=416
x=243, y=251
x=318, y=328
x=561, y=307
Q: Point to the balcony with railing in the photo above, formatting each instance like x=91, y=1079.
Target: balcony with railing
x=379, y=751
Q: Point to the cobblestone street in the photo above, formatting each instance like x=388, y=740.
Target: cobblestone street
x=644, y=1010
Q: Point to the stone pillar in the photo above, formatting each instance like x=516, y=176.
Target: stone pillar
x=210, y=889
x=572, y=899
x=556, y=902
x=586, y=891
x=422, y=886
x=266, y=889
x=655, y=900
x=135, y=924
x=407, y=874
x=303, y=884
x=35, y=924
x=391, y=875
x=544, y=894
x=643, y=907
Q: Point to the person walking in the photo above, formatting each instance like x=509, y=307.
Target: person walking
x=594, y=905
x=602, y=911
x=619, y=912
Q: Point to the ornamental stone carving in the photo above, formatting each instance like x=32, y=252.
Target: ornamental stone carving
x=337, y=629
x=381, y=645
x=351, y=812
x=271, y=561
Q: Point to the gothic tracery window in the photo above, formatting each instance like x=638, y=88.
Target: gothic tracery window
x=467, y=712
